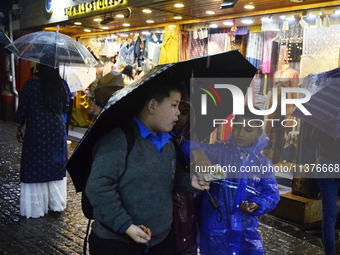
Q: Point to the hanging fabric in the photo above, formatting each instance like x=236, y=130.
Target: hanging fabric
x=254, y=49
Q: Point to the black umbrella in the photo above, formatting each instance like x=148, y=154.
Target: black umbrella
x=123, y=103
x=106, y=86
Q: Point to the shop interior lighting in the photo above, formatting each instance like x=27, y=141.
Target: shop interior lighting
x=150, y=21
x=206, y=32
x=326, y=21
x=120, y=16
x=228, y=23
x=210, y=12
x=195, y=34
x=126, y=24
x=123, y=35
x=146, y=33
x=247, y=21
x=177, y=17
x=283, y=17
x=147, y=11
x=97, y=19
x=105, y=27
x=228, y=4
x=249, y=6
x=291, y=18
x=311, y=15
x=318, y=22
x=107, y=20
x=179, y=5
x=87, y=30
x=77, y=23
x=136, y=34
x=303, y=23
x=337, y=12
x=213, y=25
x=201, y=34
x=285, y=25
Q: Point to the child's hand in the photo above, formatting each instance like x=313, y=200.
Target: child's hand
x=176, y=201
x=248, y=207
x=146, y=230
x=200, y=159
x=138, y=234
x=199, y=183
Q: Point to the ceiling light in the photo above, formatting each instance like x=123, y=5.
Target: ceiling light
x=303, y=23
x=126, y=24
x=228, y=4
x=97, y=19
x=291, y=18
x=311, y=15
x=150, y=21
x=136, y=34
x=228, y=23
x=120, y=16
x=179, y=5
x=147, y=11
x=124, y=35
x=249, y=6
x=285, y=25
x=210, y=12
x=326, y=21
x=77, y=23
x=146, y=33
x=247, y=21
x=87, y=30
x=213, y=25
x=105, y=27
x=158, y=32
x=177, y=17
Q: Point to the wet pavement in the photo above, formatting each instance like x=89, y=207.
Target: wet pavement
x=63, y=233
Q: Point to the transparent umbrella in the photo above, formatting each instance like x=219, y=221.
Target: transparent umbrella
x=65, y=50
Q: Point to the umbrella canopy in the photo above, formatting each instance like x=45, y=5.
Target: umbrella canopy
x=66, y=51
x=106, y=86
x=324, y=104
x=122, y=104
x=78, y=78
x=4, y=41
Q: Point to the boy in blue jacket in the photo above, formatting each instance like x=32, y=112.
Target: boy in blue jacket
x=243, y=195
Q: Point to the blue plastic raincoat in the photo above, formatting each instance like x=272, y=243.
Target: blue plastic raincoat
x=236, y=234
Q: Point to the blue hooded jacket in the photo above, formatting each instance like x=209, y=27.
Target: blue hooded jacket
x=236, y=234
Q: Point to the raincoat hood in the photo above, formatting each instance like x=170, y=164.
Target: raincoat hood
x=259, y=144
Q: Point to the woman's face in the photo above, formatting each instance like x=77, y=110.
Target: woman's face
x=183, y=118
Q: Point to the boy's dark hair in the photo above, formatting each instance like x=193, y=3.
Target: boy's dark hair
x=249, y=115
x=159, y=92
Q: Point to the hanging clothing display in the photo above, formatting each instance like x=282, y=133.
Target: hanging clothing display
x=126, y=56
x=268, y=38
x=317, y=38
x=254, y=49
x=169, y=51
x=216, y=43
x=157, y=54
x=197, y=47
x=317, y=64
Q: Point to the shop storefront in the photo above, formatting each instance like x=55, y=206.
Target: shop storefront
x=285, y=43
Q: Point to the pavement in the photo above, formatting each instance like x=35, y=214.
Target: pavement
x=63, y=233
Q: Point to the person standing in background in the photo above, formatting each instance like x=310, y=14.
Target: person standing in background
x=43, y=101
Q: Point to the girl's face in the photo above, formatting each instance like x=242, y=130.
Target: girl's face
x=183, y=118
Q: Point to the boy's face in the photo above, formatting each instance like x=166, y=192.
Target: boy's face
x=184, y=109
x=244, y=136
x=165, y=114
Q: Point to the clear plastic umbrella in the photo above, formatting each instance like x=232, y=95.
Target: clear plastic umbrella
x=78, y=78
x=65, y=50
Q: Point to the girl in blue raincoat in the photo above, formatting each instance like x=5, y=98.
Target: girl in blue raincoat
x=249, y=190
